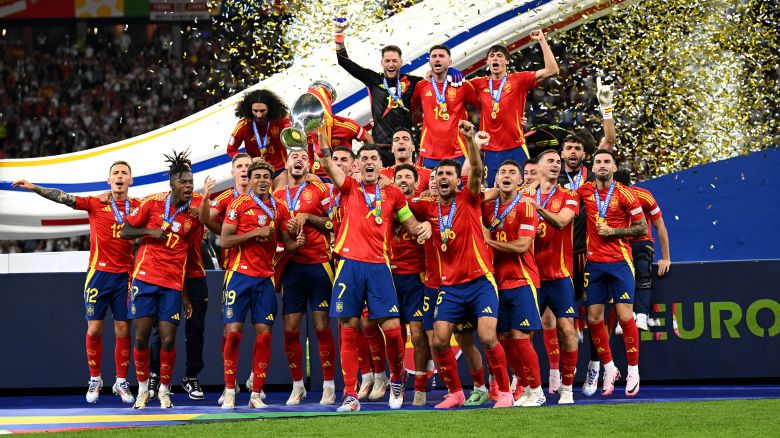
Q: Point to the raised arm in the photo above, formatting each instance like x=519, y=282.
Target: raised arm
x=475, y=160
x=206, y=214
x=334, y=172
x=362, y=74
x=550, y=65
x=55, y=195
x=604, y=94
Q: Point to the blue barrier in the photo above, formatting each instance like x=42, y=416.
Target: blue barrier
x=727, y=316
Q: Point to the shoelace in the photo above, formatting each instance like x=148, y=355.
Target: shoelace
x=94, y=385
x=592, y=376
x=195, y=386
x=124, y=387
x=396, y=389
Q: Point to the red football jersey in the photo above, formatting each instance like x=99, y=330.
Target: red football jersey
x=423, y=177
x=553, y=248
x=163, y=262
x=622, y=210
x=255, y=256
x=441, y=138
x=513, y=270
x=107, y=251
x=221, y=204
x=406, y=255
x=195, y=267
x=344, y=131
x=432, y=264
x=314, y=199
x=360, y=238
x=244, y=132
x=467, y=256
x=651, y=209
x=506, y=130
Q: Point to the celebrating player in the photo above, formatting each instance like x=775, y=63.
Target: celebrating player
x=390, y=91
x=307, y=278
x=613, y=214
x=468, y=288
x=254, y=223
x=263, y=115
x=557, y=207
x=512, y=225
x=443, y=106
x=403, y=148
x=502, y=97
x=167, y=230
x=363, y=276
x=107, y=278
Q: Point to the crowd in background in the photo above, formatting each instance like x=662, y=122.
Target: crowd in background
x=71, y=88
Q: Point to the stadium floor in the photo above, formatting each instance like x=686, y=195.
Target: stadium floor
x=60, y=413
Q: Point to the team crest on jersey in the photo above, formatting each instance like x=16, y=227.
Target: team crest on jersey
x=451, y=93
x=511, y=216
x=175, y=226
x=232, y=214
x=187, y=226
x=262, y=220
x=275, y=131
x=556, y=205
x=90, y=310
x=613, y=203
x=307, y=196
x=507, y=87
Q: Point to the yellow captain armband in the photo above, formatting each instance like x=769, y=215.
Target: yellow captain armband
x=404, y=214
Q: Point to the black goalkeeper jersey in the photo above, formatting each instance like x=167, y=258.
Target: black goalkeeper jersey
x=580, y=221
x=387, y=115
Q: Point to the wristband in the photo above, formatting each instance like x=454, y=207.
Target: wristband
x=606, y=112
x=339, y=38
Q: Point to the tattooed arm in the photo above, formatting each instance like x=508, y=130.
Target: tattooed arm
x=55, y=195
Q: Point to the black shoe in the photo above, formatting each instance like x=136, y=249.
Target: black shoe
x=192, y=387
x=154, y=385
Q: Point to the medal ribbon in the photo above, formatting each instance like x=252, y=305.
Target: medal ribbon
x=117, y=214
x=498, y=219
x=334, y=204
x=394, y=96
x=602, y=207
x=377, y=199
x=546, y=201
x=496, y=95
x=167, y=220
x=445, y=224
x=441, y=98
x=261, y=204
x=575, y=183
x=264, y=145
x=293, y=203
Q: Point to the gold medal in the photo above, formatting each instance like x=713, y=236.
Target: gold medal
x=493, y=115
x=420, y=240
x=445, y=116
x=378, y=220
x=328, y=225
x=165, y=225
x=443, y=247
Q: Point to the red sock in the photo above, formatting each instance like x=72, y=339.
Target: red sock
x=167, y=360
x=261, y=355
x=478, y=376
x=552, y=347
x=511, y=355
x=230, y=358
x=327, y=352
x=376, y=343
x=141, y=364
x=122, y=356
x=631, y=340
x=364, y=355
x=568, y=366
x=94, y=354
x=530, y=362
x=420, y=382
x=448, y=369
x=496, y=357
x=292, y=348
x=395, y=353
x=600, y=338
x=349, y=355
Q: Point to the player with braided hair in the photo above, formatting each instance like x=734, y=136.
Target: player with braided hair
x=263, y=115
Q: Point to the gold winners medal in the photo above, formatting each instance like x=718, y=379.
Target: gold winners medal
x=443, y=247
x=493, y=115
x=328, y=225
x=378, y=220
x=443, y=111
x=165, y=226
x=420, y=240
x=494, y=223
x=445, y=116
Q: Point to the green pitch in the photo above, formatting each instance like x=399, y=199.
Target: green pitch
x=718, y=418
